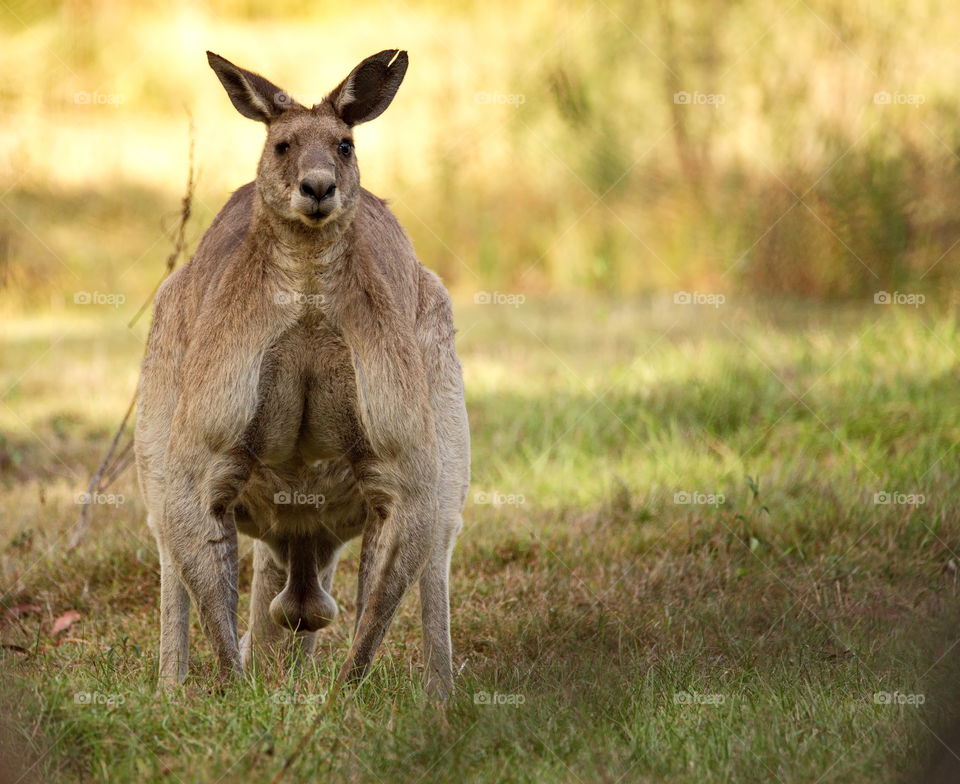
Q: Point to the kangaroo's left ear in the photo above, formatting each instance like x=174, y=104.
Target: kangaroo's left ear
x=369, y=89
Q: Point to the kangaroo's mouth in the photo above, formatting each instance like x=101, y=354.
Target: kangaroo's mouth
x=316, y=218
x=314, y=212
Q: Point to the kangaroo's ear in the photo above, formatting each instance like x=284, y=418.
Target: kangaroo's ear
x=366, y=93
x=251, y=94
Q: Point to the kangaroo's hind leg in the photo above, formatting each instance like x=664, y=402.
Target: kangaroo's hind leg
x=174, y=623
x=435, y=613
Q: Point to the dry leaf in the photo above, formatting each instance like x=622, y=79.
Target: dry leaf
x=64, y=622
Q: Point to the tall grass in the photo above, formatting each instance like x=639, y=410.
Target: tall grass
x=534, y=146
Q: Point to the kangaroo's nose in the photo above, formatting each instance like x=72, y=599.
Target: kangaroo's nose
x=318, y=185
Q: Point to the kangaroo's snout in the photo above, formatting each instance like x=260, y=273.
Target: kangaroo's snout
x=317, y=196
x=318, y=185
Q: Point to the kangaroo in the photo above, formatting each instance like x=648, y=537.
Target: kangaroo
x=301, y=386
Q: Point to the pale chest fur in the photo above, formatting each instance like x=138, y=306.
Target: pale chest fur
x=306, y=432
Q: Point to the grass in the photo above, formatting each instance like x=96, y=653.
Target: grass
x=629, y=636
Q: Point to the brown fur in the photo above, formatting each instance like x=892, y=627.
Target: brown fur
x=301, y=385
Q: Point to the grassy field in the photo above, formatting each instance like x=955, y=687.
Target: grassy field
x=702, y=544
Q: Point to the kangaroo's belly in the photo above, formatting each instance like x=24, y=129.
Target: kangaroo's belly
x=306, y=438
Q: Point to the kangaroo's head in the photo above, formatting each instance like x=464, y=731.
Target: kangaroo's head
x=308, y=170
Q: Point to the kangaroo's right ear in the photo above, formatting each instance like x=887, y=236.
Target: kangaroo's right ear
x=250, y=93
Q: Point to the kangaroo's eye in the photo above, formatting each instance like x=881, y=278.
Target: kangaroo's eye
x=281, y=147
x=345, y=148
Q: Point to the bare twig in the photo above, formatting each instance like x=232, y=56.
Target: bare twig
x=96, y=482
x=120, y=463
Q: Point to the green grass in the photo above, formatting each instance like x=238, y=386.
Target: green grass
x=589, y=594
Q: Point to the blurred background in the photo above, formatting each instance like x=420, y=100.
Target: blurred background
x=805, y=149
x=692, y=420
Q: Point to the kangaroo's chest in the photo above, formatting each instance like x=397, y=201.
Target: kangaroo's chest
x=308, y=406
